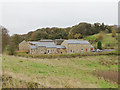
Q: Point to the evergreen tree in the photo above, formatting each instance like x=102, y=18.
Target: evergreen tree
x=99, y=45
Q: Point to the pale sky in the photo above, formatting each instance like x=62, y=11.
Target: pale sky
x=23, y=16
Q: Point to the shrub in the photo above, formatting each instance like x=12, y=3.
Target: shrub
x=10, y=50
x=67, y=55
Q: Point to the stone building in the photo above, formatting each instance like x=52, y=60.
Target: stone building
x=61, y=49
x=76, y=46
x=49, y=47
x=24, y=46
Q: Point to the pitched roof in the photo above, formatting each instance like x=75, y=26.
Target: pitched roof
x=59, y=46
x=33, y=42
x=33, y=47
x=46, y=40
x=22, y=41
x=46, y=44
x=76, y=42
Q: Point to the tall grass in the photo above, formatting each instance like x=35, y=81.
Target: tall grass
x=66, y=55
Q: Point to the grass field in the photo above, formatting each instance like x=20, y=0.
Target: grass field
x=107, y=42
x=79, y=72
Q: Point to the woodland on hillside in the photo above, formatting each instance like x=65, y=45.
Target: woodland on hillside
x=80, y=31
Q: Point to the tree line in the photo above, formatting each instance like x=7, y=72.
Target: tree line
x=79, y=31
x=75, y=32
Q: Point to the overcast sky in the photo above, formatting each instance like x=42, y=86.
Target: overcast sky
x=24, y=16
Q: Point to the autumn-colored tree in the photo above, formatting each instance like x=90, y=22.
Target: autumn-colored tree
x=84, y=29
x=106, y=30
x=76, y=36
x=118, y=30
x=113, y=33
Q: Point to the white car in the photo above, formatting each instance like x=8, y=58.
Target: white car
x=98, y=50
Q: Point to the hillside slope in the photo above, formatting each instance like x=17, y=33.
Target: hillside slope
x=108, y=42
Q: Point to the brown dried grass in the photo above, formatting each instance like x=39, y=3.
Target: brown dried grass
x=108, y=75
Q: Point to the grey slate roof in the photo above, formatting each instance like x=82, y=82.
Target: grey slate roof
x=22, y=41
x=32, y=42
x=46, y=44
x=77, y=42
x=59, y=46
x=33, y=47
x=46, y=40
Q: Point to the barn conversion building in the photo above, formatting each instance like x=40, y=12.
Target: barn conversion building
x=76, y=46
x=49, y=47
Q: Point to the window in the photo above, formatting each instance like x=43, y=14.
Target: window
x=48, y=51
x=81, y=49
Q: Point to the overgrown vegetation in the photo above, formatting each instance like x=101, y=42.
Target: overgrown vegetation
x=9, y=81
x=60, y=72
x=66, y=55
x=108, y=75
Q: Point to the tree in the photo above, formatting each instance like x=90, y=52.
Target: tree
x=10, y=49
x=113, y=33
x=99, y=36
x=77, y=35
x=106, y=30
x=5, y=37
x=39, y=35
x=70, y=35
x=99, y=45
x=16, y=39
x=118, y=30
